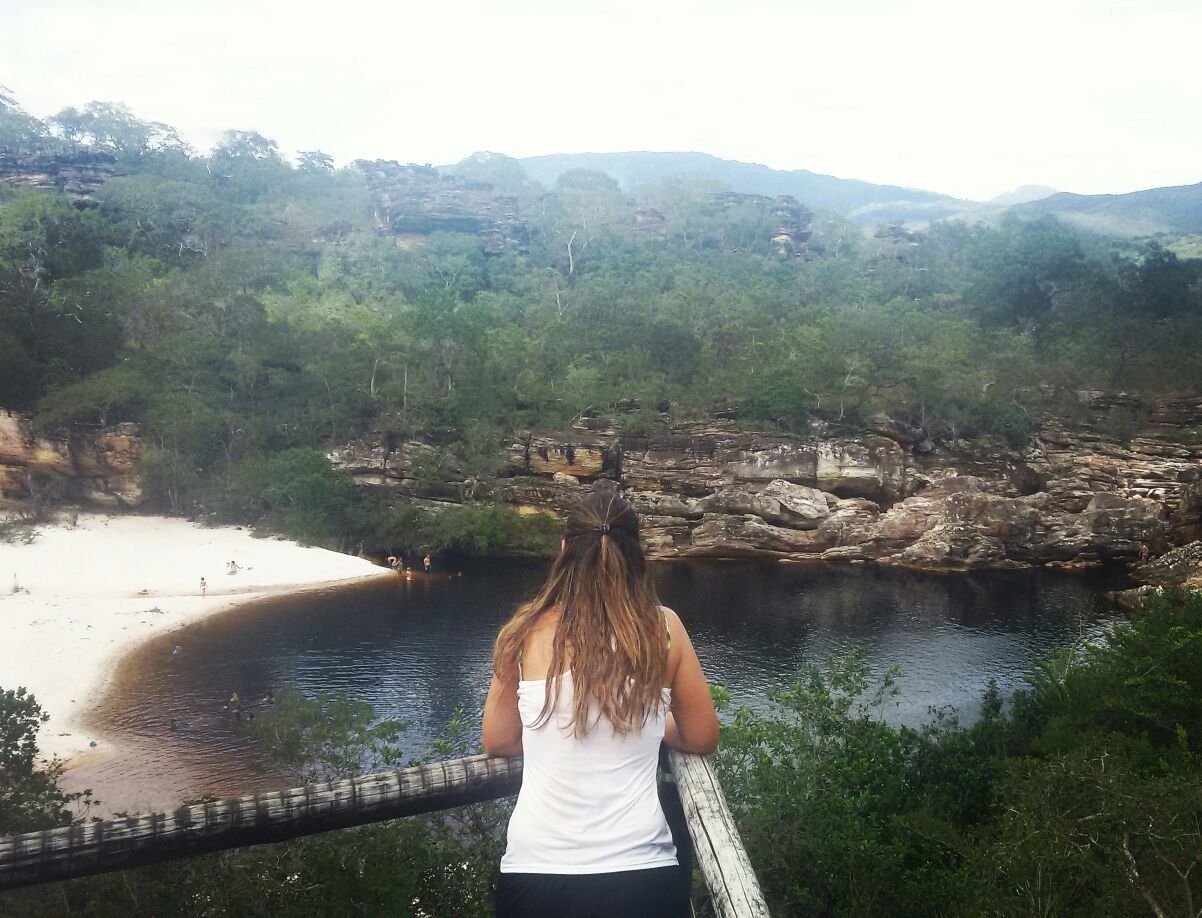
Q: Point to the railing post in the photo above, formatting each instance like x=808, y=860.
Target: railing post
x=719, y=851
x=117, y=844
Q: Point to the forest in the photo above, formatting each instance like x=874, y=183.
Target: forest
x=251, y=313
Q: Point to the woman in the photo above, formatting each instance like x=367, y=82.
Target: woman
x=588, y=678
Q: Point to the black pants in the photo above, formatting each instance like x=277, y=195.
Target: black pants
x=656, y=892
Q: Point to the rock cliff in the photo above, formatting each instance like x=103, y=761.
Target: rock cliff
x=77, y=173
x=1073, y=497
x=413, y=200
x=99, y=469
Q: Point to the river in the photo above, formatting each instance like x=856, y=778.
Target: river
x=420, y=649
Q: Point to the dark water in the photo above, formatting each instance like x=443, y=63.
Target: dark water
x=418, y=650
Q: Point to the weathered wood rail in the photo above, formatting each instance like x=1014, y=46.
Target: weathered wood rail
x=719, y=850
x=117, y=844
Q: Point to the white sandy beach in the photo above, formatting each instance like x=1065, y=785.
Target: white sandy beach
x=85, y=598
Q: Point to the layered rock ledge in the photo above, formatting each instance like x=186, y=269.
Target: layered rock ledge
x=1077, y=495
x=99, y=468
x=1074, y=497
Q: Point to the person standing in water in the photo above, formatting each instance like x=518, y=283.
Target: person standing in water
x=426, y=562
x=204, y=587
x=589, y=677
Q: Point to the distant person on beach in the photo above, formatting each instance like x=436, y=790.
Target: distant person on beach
x=204, y=587
x=232, y=567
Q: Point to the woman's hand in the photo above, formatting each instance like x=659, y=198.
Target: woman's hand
x=502, y=727
x=692, y=722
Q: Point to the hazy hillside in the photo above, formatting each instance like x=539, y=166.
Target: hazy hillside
x=863, y=202
x=1022, y=195
x=1176, y=209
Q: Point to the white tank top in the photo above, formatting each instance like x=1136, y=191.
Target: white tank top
x=588, y=804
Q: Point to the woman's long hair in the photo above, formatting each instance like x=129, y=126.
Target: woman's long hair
x=611, y=634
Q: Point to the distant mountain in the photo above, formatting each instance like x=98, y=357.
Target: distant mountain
x=1176, y=209
x=1023, y=194
x=865, y=203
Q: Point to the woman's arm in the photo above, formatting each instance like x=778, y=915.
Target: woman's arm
x=502, y=728
x=692, y=723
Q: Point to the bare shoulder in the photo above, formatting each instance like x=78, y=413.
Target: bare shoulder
x=675, y=625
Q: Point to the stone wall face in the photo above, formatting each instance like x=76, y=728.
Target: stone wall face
x=76, y=173
x=1073, y=497
x=100, y=469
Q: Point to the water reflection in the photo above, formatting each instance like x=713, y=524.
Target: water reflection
x=420, y=649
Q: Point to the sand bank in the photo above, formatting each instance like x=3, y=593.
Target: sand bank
x=86, y=596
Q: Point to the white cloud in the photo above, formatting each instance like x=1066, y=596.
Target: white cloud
x=961, y=97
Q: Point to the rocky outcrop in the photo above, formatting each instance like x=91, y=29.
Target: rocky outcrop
x=419, y=200
x=791, y=228
x=76, y=173
x=699, y=459
x=99, y=469
x=1074, y=497
x=583, y=455
x=1179, y=568
x=414, y=200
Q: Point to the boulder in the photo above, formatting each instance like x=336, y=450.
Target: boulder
x=720, y=535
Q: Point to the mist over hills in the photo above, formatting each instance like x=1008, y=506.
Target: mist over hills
x=865, y=203
x=1171, y=210
x=1022, y=194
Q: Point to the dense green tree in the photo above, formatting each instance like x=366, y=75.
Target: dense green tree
x=19, y=131
x=112, y=128
x=30, y=798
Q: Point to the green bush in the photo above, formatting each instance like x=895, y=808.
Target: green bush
x=1084, y=798
x=30, y=798
x=296, y=493
x=485, y=531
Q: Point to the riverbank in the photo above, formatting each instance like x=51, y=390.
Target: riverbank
x=77, y=599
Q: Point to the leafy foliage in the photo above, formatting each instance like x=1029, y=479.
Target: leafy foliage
x=30, y=798
x=1084, y=798
x=247, y=313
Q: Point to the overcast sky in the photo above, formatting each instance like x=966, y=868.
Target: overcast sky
x=963, y=97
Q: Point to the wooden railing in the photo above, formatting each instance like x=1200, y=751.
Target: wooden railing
x=117, y=844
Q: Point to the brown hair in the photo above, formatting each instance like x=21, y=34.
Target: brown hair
x=611, y=632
